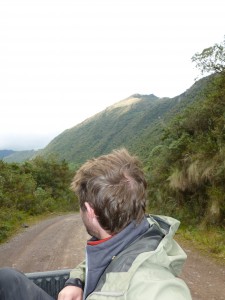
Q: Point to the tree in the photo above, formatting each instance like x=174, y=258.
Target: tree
x=211, y=60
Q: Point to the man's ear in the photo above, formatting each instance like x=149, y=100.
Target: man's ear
x=90, y=210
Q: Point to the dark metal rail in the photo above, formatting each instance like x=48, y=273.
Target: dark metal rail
x=50, y=281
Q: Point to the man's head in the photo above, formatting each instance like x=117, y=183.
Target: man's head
x=114, y=186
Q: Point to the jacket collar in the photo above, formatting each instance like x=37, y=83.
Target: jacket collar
x=99, y=256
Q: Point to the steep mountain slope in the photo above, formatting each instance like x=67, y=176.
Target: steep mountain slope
x=135, y=123
x=108, y=129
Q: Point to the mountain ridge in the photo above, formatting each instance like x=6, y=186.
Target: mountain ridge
x=135, y=122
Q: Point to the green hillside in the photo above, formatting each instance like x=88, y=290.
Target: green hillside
x=186, y=170
x=19, y=156
x=135, y=123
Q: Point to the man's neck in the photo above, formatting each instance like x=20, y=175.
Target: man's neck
x=102, y=234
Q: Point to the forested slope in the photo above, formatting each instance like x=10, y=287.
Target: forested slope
x=186, y=170
x=135, y=123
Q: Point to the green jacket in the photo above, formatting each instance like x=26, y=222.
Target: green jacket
x=152, y=275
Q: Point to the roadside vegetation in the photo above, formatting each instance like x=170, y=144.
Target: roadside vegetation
x=186, y=170
x=209, y=241
x=37, y=187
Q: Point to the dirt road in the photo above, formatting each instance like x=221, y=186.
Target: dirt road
x=55, y=243
x=59, y=242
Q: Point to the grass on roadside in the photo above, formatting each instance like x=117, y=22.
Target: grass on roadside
x=12, y=221
x=211, y=241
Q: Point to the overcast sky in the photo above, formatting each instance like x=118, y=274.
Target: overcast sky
x=62, y=61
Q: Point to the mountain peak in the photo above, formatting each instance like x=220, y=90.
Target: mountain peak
x=150, y=96
x=133, y=99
